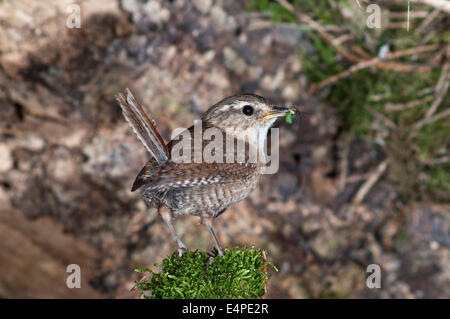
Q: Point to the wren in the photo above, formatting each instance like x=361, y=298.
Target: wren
x=205, y=189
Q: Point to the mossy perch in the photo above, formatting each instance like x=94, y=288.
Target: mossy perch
x=240, y=273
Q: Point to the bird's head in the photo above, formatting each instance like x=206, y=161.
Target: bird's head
x=244, y=113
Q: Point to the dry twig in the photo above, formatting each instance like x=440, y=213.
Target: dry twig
x=426, y=91
x=403, y=15
x=441, y=87
x=362, y=64
x=374, y=62
x=443, y=5
x=432, y=119
x=321, y=31
x=425, y=23
x=370, y=182
x=387, y=122
x=436, y=161
x=393, y=107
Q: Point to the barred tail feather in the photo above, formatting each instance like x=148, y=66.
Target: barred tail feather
x=142, y=126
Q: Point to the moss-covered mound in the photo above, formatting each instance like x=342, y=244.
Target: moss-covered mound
x=240, y=273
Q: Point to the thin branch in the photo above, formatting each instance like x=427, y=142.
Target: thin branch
x=403, y=67
x=438, y=100
x=438, y=4
x=321, y=31
x=441, y=87
x=387, y=122
x=437, y=161
x=370, y=182
x=426, y=91
x=361, y=51
x=402, y=15
x=362, y=64
x=432, y=119
x=356, y=178
x=342, y=39
x=393, y=107
x=425, y=23
x=373, y=62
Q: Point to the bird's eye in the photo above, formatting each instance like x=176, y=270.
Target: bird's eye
x=248, y=110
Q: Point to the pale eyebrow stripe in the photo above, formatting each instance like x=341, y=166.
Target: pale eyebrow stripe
x=240, y=104
x=225, y=107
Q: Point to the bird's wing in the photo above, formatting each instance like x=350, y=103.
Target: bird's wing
x=143, y=126
x=145, y=174
x=172, y=175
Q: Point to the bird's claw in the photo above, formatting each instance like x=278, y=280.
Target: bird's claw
x=182, y=251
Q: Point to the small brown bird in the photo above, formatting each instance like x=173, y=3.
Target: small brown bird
x=205, y=189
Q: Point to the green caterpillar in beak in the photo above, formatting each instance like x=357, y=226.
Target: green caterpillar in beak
x=290, y=116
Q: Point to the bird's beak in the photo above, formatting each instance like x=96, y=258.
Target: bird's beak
x=277, y=111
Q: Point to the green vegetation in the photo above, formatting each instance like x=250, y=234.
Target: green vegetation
x=240, y=273
x=276, y=11
x=363, y=97
x=290, y=117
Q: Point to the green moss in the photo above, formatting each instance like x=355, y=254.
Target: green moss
x=240, y=273
x=320, y=9
x=323, y=10
x=277, y=12
x=320, y=66
x=332, y=295
x=438, y=182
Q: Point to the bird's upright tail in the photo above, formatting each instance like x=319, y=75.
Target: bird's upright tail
x=143, y=127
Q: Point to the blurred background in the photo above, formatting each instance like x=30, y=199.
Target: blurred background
x=364, y=174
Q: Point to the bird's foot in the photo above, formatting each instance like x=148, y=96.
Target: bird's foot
x=182, y=251
x=216, y=251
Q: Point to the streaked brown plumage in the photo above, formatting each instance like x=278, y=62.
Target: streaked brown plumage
x=201, y=189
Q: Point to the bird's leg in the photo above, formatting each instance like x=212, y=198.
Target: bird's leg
x=208, y=223
x=166, y=215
